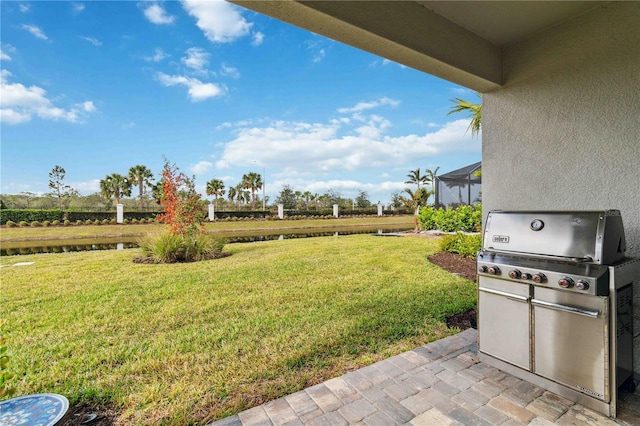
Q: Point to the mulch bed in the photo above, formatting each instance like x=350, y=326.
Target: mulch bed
x=466, y=268
x=89, y=416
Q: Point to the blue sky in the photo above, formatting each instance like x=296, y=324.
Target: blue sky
x=98, y=87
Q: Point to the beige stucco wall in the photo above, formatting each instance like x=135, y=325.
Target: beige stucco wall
x=564, y=130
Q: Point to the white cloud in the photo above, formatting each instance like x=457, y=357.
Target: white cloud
x=198, y=91
x=10, y=116
x=315, y=148
x=88, y=106
x=220, y=21
x=35, y=31
x=87, y=187
x=129, y=125
x=229, y=71
x=317, y=49
x=363, y=106
x=196, y=59
x=77, y=7
x=201, y=167
x=319, y=56
x=258, y=38
x=92, y=40
x=157, y=15
x=19, y=103
x=24, y=7
x=4, y=56
x=158, y=56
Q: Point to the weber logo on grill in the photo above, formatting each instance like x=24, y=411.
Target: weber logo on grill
x=590, y=392
x=501, y=239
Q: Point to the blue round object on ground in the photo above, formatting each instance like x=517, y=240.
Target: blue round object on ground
x=42, y=409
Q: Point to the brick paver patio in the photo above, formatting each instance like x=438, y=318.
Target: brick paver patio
x=441, y=383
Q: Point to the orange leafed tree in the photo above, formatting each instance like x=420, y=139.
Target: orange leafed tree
x=184, y=211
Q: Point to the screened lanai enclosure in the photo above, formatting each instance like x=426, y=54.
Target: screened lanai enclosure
x=459, y=187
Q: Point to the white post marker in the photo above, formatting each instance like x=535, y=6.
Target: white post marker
x=335, y=210
x=212, y=213
x=281, y=211
x=120, y=213
x=379, y=209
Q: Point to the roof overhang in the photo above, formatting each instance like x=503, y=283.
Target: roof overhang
x=460, y=41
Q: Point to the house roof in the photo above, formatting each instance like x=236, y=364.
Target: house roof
x=461, y=41
x=463, y=173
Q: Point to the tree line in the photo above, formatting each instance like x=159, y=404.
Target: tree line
x=117, y=188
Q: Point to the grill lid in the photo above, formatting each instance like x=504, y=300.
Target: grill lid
x=587, y=236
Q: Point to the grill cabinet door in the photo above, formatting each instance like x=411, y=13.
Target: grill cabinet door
x=503, y=320
x=571, y=340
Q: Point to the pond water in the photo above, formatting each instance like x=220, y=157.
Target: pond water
x=121, y=243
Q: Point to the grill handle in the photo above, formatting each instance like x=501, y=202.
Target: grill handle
x=491, y=251
x=511, y=296
x=565, y=308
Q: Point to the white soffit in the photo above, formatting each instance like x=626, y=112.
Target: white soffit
x=460, y=41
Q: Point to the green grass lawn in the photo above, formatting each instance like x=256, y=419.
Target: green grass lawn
x=91, y=231
x=190, y=343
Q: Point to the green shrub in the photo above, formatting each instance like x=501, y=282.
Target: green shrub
x=66, y=222
x=28, y=215
x=165, y=247
x=462, y=244
x=105, y=221
x=134, y=220
x=97, y=222
x=11, y=224
x=35, y=223
x=55, y=223
x=88, y=222
x=463, y=218
x=23, y=223
x=79, y=222
x=46, y=223
x=112, y=221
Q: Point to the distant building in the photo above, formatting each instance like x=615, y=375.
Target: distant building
x=459, y=187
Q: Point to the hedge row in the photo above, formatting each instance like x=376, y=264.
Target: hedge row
x=17, y=216
x=21, y=215
x=463, y=218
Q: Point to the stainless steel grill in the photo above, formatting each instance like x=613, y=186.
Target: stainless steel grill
x=555, y=293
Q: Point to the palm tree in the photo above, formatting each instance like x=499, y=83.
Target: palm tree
x=252, y=181
x=416, y=178
x=308, y=196
x=241, y=196
x=298, y=195
x=140, y=175
x=431, y=178
x=215, y=187
x=475, y=110
x=231, y=195
x=415, y=200
x=115, y=185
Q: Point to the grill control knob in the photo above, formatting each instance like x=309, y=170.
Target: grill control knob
x=565, y=282
x=539, y=278
x=483, y=269
x=494, y=270
x=582, y=285
x=515, y=274
x=525, y=276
